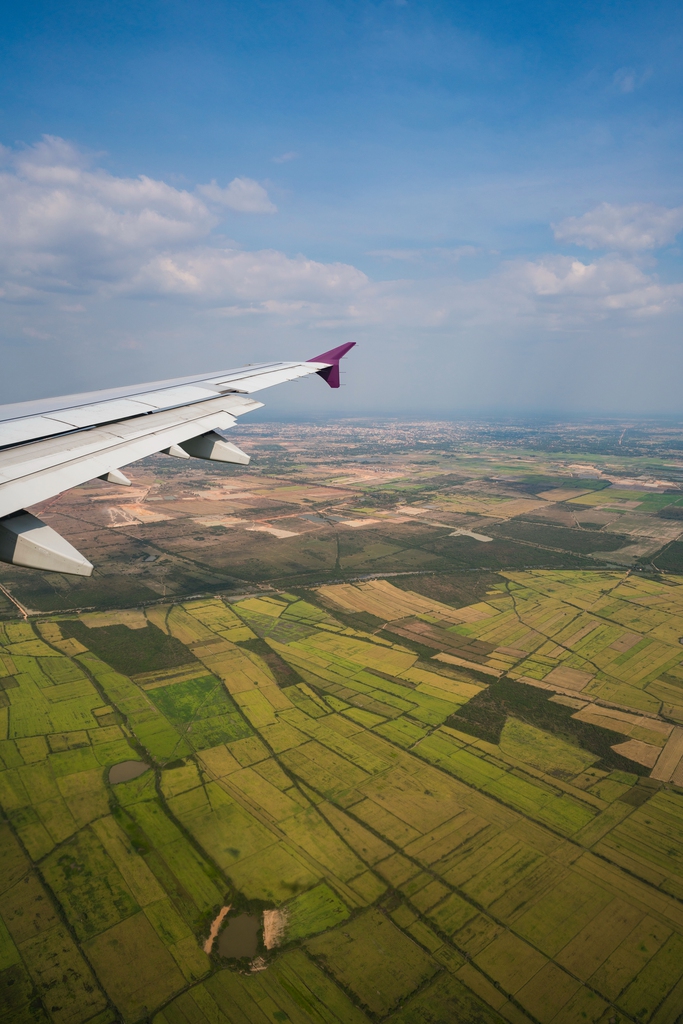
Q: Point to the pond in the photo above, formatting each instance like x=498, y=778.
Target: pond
x=240, y=936
x=126, y=770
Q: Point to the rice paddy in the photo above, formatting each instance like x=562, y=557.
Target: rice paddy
x=438, y=840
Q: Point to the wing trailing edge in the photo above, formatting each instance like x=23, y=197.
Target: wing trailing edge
x=51, y=445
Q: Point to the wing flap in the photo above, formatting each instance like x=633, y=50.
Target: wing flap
x=32, y=473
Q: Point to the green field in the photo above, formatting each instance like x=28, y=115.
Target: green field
x=441, y=845
x=559, y=537
x=314, y=911
x=131, y=651
x=374, y=959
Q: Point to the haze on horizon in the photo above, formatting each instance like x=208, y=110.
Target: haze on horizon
x=486, y=197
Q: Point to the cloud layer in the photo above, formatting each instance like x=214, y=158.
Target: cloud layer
x=68, y=227
x=79, y=241
x=634, y=228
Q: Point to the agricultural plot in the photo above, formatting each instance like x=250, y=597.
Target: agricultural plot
x=201, y=710
x=128, y=650
x=562, y=538
x=135, y=967
x=375, y=960
x=42, y=969
x=314, y=911
x=644, y=500
x=55, y=794
x=438, y=840
x=293, y=989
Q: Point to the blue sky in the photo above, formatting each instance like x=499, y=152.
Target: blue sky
x=486, y=197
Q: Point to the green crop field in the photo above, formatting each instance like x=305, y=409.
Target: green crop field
x=292, y=990
x=441, y=844
x=314, y=911
x=374, y=959
x=129, y=650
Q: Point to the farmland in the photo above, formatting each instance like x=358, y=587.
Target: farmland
x=481, y=832
x=459, y=794
x=321, y=502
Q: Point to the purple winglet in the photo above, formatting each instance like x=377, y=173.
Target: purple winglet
x=331, y=372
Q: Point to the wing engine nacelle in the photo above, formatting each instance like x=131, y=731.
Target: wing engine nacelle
x=26, y=540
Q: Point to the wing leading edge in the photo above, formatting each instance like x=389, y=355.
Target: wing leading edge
x=51, y=445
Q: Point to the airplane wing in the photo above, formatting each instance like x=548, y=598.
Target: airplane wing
x=50, y=445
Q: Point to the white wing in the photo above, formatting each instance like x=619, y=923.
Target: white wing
x=51, y=445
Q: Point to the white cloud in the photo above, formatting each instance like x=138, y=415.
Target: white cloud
x=284, y=158
x=71, y=230
x=632, y=228
x=242, y=194
x=565, y=292
x=219, y=275
x=67, y=226
x=552, y=293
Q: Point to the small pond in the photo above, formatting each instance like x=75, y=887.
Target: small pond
x=240, y=936
x=126, y=770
